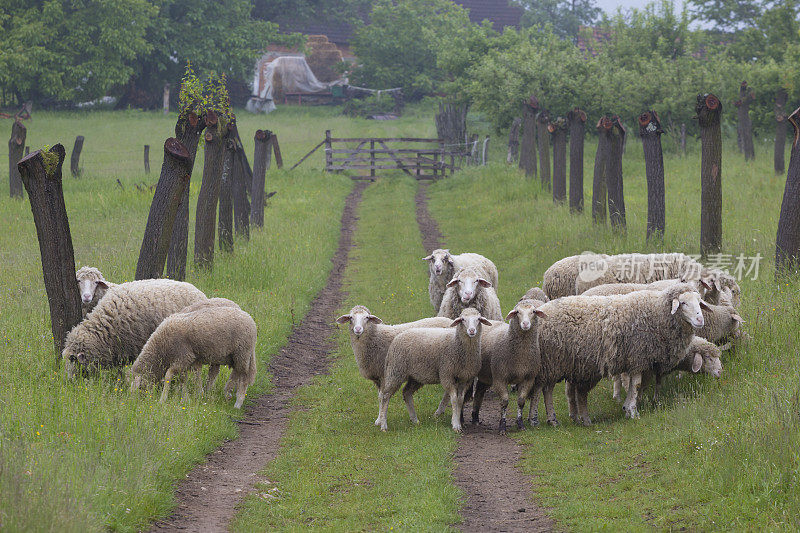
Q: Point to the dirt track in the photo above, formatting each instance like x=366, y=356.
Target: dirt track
x=208, y=496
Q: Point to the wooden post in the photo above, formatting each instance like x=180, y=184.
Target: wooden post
x=328, y=148
x=709, y=109
x=558, y=129
x=174, y=179
x=260, y=165
x=787, y=244
x=205, y=220
x=683, y=139
x=165, y=99
x=42, y=180
x=745, y=125
x=239, y=186
x=544, y=148
x=650, y=132
x=15, y=145
x=577, y=129
x=485, y=152
x=188, y=129
x=780, y=130
x=372, y=159
x=226, y=192
x=513, y=141
x=527, y=154
x=147, y=159
x=599, y=181
x=75, y=159
x=276, y=149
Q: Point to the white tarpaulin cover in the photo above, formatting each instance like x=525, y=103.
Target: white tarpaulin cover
x=295, y=76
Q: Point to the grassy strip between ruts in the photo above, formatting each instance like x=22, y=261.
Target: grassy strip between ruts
x=714, y=454
x=337, y=471
x=86, y=455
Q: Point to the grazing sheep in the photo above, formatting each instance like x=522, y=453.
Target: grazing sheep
x=92, y=286
x=722, y=285
x=211, y=302
x=721, y=321
x=215, y=335
x=535, y=293
x=626, y=288
x=469, y=288
x=559, y=279
x=585, y=338
x=117, y=329
x=638, y=268
x=420, y=356
x=443, y=265
x=510, y=355
x=370, y=339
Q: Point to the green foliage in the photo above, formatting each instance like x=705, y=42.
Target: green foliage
x=216, y=99
x=372, y=105
x=50, y=160
x=190, y=97
x=565, y=16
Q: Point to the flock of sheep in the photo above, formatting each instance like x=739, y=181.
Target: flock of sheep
x=628, y=317
x=165, y=328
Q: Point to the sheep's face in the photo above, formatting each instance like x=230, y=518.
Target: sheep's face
x=87, y=288
x=471, y=321
x=360, y=319
x=712, y=364
x=439, y=261
x=690, y=306
x=525, y=313
x=468, y=284
x=75, y=361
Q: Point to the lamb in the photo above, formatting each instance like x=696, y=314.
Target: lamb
x=92, y=286
x=443, y=265
x=559, y=279
x=117, y=329
x=214, y=335
x=420, y=356
x=585, y=338
x=637, y=268
x=510, y=355
x=469, y=288
x=370, y=339
x=535, y=293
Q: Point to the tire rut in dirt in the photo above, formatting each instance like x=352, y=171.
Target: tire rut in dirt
x=498, y=494
x=209, y=494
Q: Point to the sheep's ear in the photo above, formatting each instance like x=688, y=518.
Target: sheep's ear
x=453, y=282
x=737, y=318
x=82, y=359
x=427, y=257
x=675, y=304
x=374, y=318
x=703, y=305
x=483, y=283
x=706, y=285
x=511, y=313
x=697, y=363
x=456, y=322
x=540, y=313
x=718, y=285
x=344, y=318
x=485, y=321
x=103, y=284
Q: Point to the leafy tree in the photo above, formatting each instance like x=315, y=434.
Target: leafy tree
x=726, y=15
x=565, y=16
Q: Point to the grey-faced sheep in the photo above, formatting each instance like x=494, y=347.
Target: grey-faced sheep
x=117, y=329
x=585, y=338
x=420, y=356
x=469, y=288
x=214, y=335
x=559, y=279
x=510, y=355
x=443, y=265
x=92, y=286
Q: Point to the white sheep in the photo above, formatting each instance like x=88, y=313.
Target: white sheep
x=559, y=279
x=92, y=286
x=213, y=335
x=535, y=293
x=117, y=329
x=449, y=356
x=611, y=289
x=469, y=288
x=442, y=266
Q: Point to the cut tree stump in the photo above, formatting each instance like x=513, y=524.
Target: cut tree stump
x=261, y=161
x=240, y=181
x=558, y=129
x=527, y=149
x=577, y=130
x=513, y=141
x=16, y=144
x=276, y=149
x=599, y=180
x=650, y=131
x=709, y=110
x=147, y=159
x=75, y=159
x=174, y=179
x=745, y=125
x=616, y=196
x=542, y=119
x=787, y=243
x=780, y=130
x=55, y=242
x=225, y=220
x=206, y=215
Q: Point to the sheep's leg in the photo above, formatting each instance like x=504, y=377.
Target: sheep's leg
x=548, y=405
x=657, y=387
x=453, y=390
x=582, y=400
x=389, y=388
x=533, y=413
x=501, y=389
x=477, y=401
x=231, y=384
x=617, y=388
x=213, y=372
x=167, y=378
x=572, y=400
x=523, y=391
x=442, y=404
x=241, y=390
x=633, y=392
x=408, y=395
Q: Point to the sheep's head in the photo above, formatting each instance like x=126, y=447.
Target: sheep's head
x=74, y=361
x=439, y=261
x=360, y=319
x=685, y=298
x=471, y=320
x=89, y=279
x=525, y=313
x=706, y=356
x=720, y=285
x=468, y=282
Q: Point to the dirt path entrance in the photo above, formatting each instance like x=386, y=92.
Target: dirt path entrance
x=498, y=494
x=208, y=496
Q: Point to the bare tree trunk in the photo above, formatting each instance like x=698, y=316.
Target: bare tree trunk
x=55, y=241
x=544, y=147
x=175, y=176
x=599, y=181
x=787, y=246
x=708, y=110
x=226, y=191
x=780, y=130
x=147, y=159
x=261, y=161
x=513, y=141
x=15, y=146
x=205, y=216
x=75, y=159
x=746, y=97
x=527, y=154
x=577, y=127
x=188, y=129
x=650, y=131
x=558, y=129
x=616, y=197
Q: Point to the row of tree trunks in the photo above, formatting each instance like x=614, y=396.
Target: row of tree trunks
x=787, y=243
x=55, y=242
x=708, y=110
x=542, y=119
x=527, y=155
x=226, y=191
x=650, y=131
x=174, y=180
x=577, y=126
x=599, y=180
x=513, y=141
x=261, y=162
x=780, y=130
x=75, y=159
x=242, y=179
x=558, y=129
x=745, y=125
x=188, y=129
x=16, y=145
x=616, y=196
x=206, y=212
